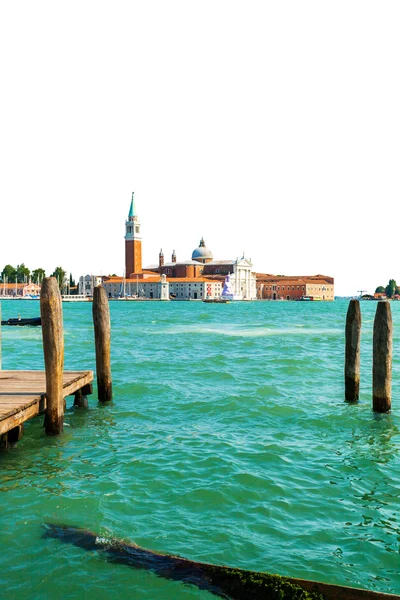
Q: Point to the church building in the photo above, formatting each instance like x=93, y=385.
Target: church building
x=197, y=278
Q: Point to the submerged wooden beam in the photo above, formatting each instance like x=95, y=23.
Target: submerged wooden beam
x=226, y=582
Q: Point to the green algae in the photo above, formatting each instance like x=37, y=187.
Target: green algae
x=242, y=585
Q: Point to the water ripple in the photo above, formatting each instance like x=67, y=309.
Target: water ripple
x=228, y=441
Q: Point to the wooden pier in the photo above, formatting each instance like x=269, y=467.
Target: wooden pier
x=23, y=396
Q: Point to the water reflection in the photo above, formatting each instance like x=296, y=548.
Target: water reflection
x=372, y=440
x=368, y=452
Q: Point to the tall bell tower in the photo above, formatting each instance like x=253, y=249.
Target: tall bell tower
x=133, y=242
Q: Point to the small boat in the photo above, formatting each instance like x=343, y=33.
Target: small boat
x=33, y=321
x=309, y=298
x=75, y=298
x=216, y=300
x=227, y=291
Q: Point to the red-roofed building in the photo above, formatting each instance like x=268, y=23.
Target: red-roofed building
x=295, y=287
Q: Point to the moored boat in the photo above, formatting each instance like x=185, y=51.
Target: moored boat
x=32, y=321
x=227, y=292
x=309, y=299
x=216, y=300
x=75, y=298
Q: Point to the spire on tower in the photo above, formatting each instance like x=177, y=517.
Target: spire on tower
x=161, y=258
x=132, y=208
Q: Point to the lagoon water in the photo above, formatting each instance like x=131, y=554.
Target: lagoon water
x=228, y=441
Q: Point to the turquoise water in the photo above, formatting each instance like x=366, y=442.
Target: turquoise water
x=228, y=441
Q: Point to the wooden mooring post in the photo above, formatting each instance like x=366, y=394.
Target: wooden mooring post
x=102, y=335
x=352, y=354
x=382, y=358
x=0, y=336
x=53, y=348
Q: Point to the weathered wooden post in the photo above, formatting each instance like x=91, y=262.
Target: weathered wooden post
x=80, y=396
x=102, y=336
x=0, y=336
x=53, y=348
x=352, y=354
x=382, y=358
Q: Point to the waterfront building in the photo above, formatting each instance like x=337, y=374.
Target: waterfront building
x=87, y=283
x=159, y=287
x=202, y=276
x=281, y=287
x=22, y=289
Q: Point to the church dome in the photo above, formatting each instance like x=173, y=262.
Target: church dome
x=202, y=253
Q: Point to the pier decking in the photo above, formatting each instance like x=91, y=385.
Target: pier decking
x=23, y=394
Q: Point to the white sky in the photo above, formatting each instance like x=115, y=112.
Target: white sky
x=266, y=127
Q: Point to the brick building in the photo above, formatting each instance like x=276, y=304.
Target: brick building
x=281, y=287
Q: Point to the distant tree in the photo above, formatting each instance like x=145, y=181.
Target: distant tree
x=380, y=290
x=71, y=281
x=38, y=275
x=9, y=273
x=59, y=274
x=390, y=289
x=23, y=273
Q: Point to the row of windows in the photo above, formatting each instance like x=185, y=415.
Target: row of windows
x=314, y=288
x=201, y=287
x=274, y=287
x=169, y=271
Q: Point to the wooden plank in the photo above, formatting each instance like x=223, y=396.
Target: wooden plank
x=35, y=381
x=77, y=383
x=19, y=400
x=18, y=418
x=9, y=408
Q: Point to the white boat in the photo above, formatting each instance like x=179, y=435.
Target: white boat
x=227, y=292
x=75, y=298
